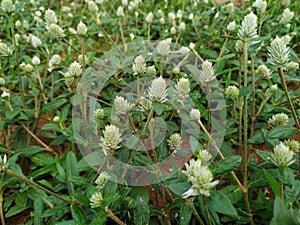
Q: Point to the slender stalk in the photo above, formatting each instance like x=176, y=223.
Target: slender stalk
x=1, y=208
x=197, y=215
x=25, y=179
x=221, y=53
x=143, y=134
x=240, y=125
x=245, y=148
x=206, y=209
x=115, y=218
x=122, y=35
x=83, y=52
x=11, y=24
x=253, y=95
x=213, y=143
x=281, y=189
x=280, y=70
x=149, y=29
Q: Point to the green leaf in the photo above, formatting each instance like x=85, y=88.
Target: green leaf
x=225, y=165
x=179, y=188
x=56, y=103
x=78, y=215
x=244, y=91
x=158, y=107
x=141, y=212
x=38, y=211
x=43, y=159
x=219, y=202
x=185, y=213
x=273, y=183
x=281, y=132
x=282, y=214
x=15, y=210
x=139, y=192
x=71, y=170
x=99, y=219
x=52, y=127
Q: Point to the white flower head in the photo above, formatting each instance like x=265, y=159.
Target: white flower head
x=5, y=50
x=5, y=94
x=293, y=66
x=274, y=88
x=200, y=177
x=184, y=50
x=99, y=113
x=151, y=69
x=139, y=65
x=75, y=69
x=260, y=6
x=204, y=156
x=56, y=119
x=81, y=28
x=175, y=141
x=286, y=16
x=173, y=30
x=56, y=31
x=279, y=119
x=158, y=90
x=293, y=145
x=279, y=53
x=172, y=17
x=248, y=29
x=192, y=46
x=182, y=88
x=121, y=105
x=231, y=26
x=163, y=47
x=263, y=72
x=96, y=200
x=54, y=60
x=50, y=17
x=102, y=179
x=149, y=17
x=2, y=81
x=282, y=156
x=181, y=26
x=144, y=104
x=207, y=73
x=232, y=92
x=120, y=11
x=111, y=139
x=36, y=61
x=3, y=163
x=92, y=6
x=7, y=6
x=35, y=41
x=195, y=114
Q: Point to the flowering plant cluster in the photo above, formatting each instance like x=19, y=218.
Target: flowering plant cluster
x=135, y=112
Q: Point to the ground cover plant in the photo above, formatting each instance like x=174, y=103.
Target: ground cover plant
x=149, y=112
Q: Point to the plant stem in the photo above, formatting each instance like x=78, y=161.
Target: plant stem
x=115, y=218
x=280, y=70
x=245, y=140
x=122, y=35
x=25, y=179
x=240, y=126
x=206, y=209
x=253, y=96
x=1, y=208
x=281, y=189
x=197, y=215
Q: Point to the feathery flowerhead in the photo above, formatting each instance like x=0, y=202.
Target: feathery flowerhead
x=149, y=17
x=279, y=53
x=2, y=81
x=144, y=104
x=248, y=29
x=55, y=30
x=200, y=177
x=286, y=16
x=81, y=28
x=121, y=105
x=293, y=145
x=99, y=113
x=120, y=11
x=75, y=69
x=50, y=17
x=282, y=156
x=264, y=72
x=111, y=139
x=232, y=92
x=3, y=164
x=274, y=88
x=292, y=66
x=231, y=26
x=207, y=73
x=260, y=6
x=139, y=65
x=5, y=50
x=35, y=41
x=204, y=156
x=7, y=6
x=285, y=3
x=92, y=6
x=195, y=114
x=96, y=200
x=280, y=119
x=102, y=179
x=175, y=141
x=151, y=69
x=54, y=60
x=36, y=61
x=5, y=95
x=163, y=47
x=158, y=90
x=182, y=88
